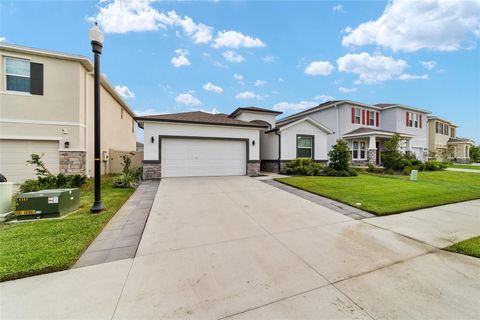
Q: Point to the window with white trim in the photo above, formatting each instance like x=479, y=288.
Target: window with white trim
x=371, y=118
x=304, y=146
x=359, y=150
x=358, y=115
x=17, y=74
x=413, y=120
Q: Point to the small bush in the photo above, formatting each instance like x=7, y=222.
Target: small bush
x=129, y=177
x=406, y=171
x=352, y=172
x=339, y=156
x=304, y=167
x=46, y=180
x=433, y=165
x=390, y=171
x=371, y=168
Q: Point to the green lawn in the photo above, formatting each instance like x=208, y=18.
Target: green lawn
x=469, y=247
x=30, y=248
x=384, y=194
x=463, y=166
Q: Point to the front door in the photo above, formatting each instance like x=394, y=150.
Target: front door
x=377, y=145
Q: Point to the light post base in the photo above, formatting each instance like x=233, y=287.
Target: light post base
x=97, y=207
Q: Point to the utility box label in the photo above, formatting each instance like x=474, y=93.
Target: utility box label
x=52, y=199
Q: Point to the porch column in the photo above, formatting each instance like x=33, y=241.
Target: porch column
x=372, y=150
x=408, y=146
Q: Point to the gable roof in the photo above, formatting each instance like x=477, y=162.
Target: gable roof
x=253, y=109
x=199, y=117
x=443, y=120
x=367, y=131
x=293, y=122
x=386, y=106
x=84, y=61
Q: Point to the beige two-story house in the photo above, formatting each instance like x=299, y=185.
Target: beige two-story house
x=443, y=143
x=46, y=107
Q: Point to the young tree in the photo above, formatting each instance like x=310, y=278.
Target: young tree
x=339, y=156
x=391, y=155
x=475, y=154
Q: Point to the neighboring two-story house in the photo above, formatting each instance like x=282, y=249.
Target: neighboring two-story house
x=443, y=143
x=250, y=138
x=46, y=107
x=365, y=127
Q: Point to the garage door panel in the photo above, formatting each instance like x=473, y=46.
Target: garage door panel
x=15, y=153
x=202, y=157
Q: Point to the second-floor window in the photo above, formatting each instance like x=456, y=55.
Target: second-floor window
x=17, y=74
x=438, y=128
x=414, y=120
x=371, y=118
x=358, y=115
x=365, y=117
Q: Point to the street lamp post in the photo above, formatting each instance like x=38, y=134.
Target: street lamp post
x=96, y=38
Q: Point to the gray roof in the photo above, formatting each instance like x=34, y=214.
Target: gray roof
x=254, y=109
x=199, y=117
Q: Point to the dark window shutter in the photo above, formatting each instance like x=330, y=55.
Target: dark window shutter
x=420, y=120
x=377, y=115
x=407, y=119
x=36, y=78
x=363, y=116
x=353, y=115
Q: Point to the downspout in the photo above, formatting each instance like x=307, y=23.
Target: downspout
x=279, y=150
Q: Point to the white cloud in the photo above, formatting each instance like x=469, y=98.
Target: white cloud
x=141, y=113
x=338, y=8
x=3, y=39
x=212, y=111
x=430, y=65
x=407, y=76
x=442, y=25
x=120, y=16
x=232, y=56
x=371, y=69
x=187, y=99
x=294, y=107
x=281, y=80
x=260, y=83
x=269, y=59
x=124, y=92
x=347, y=90
x=181, y=59
x=235, y=39
x=248, y=95
x=316, y=68
x=324, y=98
x=213, y=88
x=238, y=77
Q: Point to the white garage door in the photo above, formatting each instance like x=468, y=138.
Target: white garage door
x=15, y=153
x=203, y=157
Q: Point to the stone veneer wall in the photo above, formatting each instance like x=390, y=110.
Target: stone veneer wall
x=152, y=170
x=72, y=162
x=253, y=168
x=372, y=156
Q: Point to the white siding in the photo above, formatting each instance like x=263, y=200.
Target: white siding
x=289, y=140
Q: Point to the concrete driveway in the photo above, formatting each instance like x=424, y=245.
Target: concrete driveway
x=235, y=247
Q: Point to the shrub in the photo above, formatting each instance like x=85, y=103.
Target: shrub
x=390, y=171
x=303, y=166
x=46, y=180
x=129, y=177
x=475, y=154
x=433, y=165
x=352, y=172
x=339, y=156
x=371, y=168
x=406, y=171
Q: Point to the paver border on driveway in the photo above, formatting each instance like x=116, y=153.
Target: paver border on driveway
x=121, y=236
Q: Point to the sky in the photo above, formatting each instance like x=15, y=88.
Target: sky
x=215, y=56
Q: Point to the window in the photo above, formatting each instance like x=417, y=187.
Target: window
x=414, y=120
x=121, y=113
x=17, y=73
x=452, y=132
x=133, y=126
x=445, y=130
x=359, y=150
x=358, y=112
x=305, y=146
x=371, y=119
x=439, y=128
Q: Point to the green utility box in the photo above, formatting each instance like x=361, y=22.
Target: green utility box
x=46, y=203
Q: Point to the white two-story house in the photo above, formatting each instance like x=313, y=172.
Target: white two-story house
x=365, y=127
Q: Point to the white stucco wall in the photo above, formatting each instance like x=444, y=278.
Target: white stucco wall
x=420, y=140
x=289, y=140
x=268, y=146
x=154, y=129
